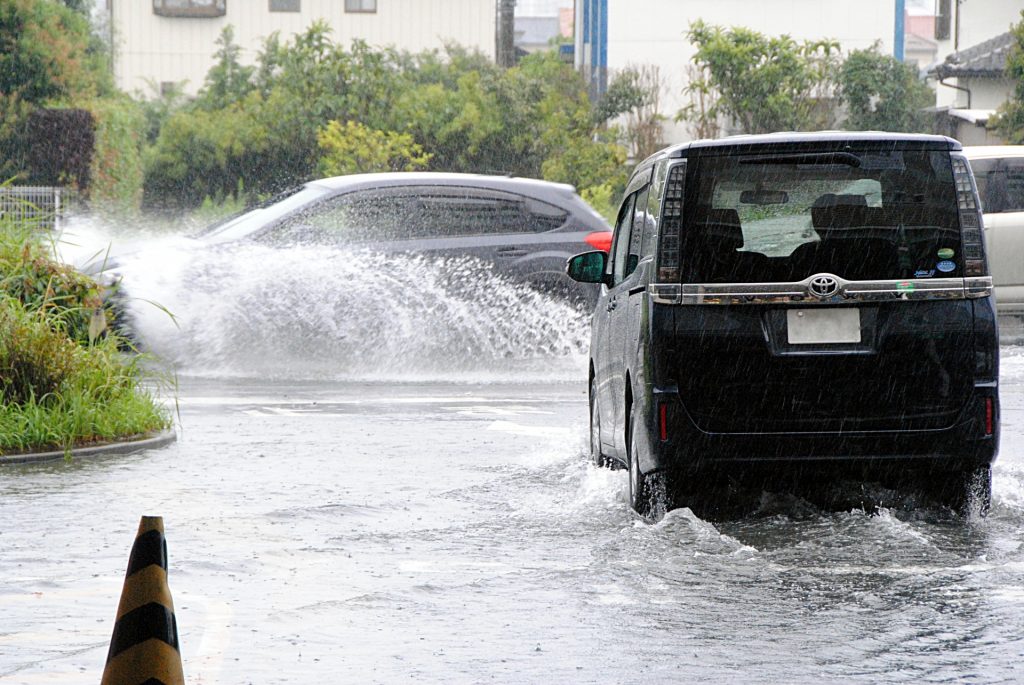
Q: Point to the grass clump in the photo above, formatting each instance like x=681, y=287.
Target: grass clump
x=65, y=380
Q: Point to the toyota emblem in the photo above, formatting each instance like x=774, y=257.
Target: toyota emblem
x=823, y=286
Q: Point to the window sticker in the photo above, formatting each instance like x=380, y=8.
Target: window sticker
x=924, y=273
x=945, y=266
x=946, y=253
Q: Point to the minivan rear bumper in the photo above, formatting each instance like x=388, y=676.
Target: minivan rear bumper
x=971, y=441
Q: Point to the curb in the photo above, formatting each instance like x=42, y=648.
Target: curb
x=127, y=447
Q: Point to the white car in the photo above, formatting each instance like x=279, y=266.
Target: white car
x=999, y=172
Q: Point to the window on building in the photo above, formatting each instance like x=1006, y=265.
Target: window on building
x=360, y=5
x=285, y=5
x=189, y=8
x=943, y=19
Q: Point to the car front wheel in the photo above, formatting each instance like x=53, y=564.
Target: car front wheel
x=595, y=428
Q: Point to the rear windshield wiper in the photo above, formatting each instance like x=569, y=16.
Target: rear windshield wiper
x=844, y=158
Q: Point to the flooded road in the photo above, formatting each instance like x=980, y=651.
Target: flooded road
x=349, y=503
x=371, y=532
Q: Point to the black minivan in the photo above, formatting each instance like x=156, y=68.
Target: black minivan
x=796, y=303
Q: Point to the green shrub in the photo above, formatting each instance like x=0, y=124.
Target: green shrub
x=35, y=359
x=352, y=148
x=71, y=301
x=270, y=128
x=60, y=144
x=57, y=395
x=116, y=172
x=61, y=383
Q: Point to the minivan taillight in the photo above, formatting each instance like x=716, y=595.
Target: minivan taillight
x=599, y=240
x=671, y=225
x=989, y=416
x=971, y=225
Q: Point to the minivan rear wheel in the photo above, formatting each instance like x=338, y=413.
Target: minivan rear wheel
x=967, y=491
x=648, y=493
x=974, y=491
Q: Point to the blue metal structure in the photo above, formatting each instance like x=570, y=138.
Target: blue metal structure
x=595, y=45
x=898, y=33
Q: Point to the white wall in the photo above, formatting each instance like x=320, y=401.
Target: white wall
x=988, y=93
x=981, y=20
x=173, y=49
x=974, y=134
x=657, y=33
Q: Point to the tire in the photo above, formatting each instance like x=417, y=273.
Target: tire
x=596, y=455
x=648, y=493
x=968, y=492
x=974, y=491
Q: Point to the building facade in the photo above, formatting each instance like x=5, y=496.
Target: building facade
x=964, y=27
x=614, y=34
x=162, y=42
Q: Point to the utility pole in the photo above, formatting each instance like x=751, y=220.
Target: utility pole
x=506, y=52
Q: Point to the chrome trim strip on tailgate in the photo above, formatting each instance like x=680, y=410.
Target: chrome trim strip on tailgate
x=799, y=291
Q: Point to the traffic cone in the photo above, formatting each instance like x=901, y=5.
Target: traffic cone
x=144, y=646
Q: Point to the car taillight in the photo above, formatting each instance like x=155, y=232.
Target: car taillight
x=989, y=416
x=971, y=225
x=663, y=421
x=600, y=240
x=671, y=224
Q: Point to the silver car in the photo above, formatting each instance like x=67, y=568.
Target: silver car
x=523, y=229
x=999, y=172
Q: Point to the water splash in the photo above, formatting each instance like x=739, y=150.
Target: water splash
x=305, y=312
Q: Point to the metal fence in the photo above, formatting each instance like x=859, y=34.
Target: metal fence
x=44, y=205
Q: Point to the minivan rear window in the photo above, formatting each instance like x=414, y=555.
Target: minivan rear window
x=871, y=215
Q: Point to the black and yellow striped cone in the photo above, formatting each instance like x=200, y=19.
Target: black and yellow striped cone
x=144, y=646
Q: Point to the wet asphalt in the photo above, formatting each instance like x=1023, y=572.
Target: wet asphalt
x=376, y=532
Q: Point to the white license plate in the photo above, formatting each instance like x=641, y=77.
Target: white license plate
x=817, y=326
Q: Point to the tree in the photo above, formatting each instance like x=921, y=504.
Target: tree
x=83, y=7
x=882, y=93
x=48, y=60
x=1009, y=120
x=271, y=127
x=701, y=113
x=352, y=148
x=46, y=53
x=228, y=80
x=635, y=95
x=766, y=83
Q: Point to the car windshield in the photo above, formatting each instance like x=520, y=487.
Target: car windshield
x=252, y=220
x=873, y=215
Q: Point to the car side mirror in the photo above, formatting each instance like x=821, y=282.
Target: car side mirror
x=587, y=267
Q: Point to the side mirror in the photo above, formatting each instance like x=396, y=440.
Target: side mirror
x=587, y=267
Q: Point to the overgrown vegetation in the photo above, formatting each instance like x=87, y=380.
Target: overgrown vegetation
x=306, y=106
x=352, y=148
x=309, y=106
x=759, y=84
x=882, y=93
x=634, y=94
x=64, y=380
x=61, y=119
x=766, y=83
